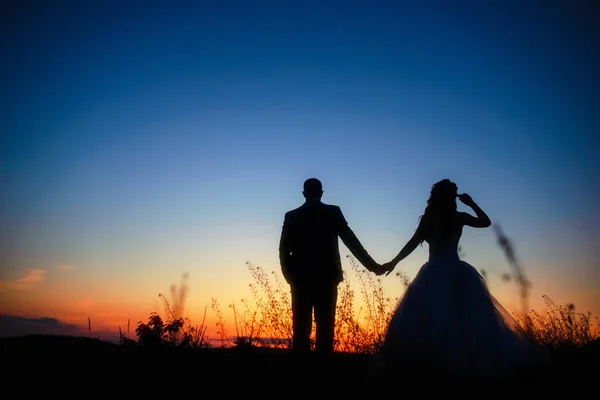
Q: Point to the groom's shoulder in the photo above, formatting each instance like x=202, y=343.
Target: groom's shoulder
x=319, y=207
x=332, y=208
x=292, y=212
x=295, y=211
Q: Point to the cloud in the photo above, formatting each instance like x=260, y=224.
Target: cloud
x=16, y=326
x=63, y=267
x=31, y=278
x=11, y=326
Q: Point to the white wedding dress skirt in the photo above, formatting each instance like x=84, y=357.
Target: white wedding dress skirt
x=447, y=322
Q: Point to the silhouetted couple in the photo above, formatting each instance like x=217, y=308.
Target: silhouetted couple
x=446, y=319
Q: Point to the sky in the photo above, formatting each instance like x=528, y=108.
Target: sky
x=141, y=141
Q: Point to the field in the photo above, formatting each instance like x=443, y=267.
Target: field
x=171, y=356
x=59, y=364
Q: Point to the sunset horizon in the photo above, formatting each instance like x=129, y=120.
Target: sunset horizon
x=109, y=326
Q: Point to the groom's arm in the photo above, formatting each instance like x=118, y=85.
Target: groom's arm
x=284, y=249
x=351, y=241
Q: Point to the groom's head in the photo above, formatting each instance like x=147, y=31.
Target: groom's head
x=312, y=189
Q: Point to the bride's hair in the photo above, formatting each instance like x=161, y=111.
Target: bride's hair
x=442, y=202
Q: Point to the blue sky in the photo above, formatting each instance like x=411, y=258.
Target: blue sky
x=144, y=140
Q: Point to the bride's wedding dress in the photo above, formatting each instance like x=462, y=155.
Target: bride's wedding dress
x=447, y=322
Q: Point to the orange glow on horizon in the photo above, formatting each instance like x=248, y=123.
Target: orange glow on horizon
x=52, y=294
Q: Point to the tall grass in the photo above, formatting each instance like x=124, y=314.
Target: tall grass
x=266, y=318
x=362, y=330
x=560, y=326
x=174, y=330
x=518, y=271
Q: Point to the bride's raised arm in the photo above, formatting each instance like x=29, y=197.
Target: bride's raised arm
x=480, y=221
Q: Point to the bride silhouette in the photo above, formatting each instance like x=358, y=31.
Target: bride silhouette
x=447, y=323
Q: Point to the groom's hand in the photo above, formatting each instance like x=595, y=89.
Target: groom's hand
x=378, y=270
x=375, y=268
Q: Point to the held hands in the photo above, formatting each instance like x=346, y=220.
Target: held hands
x=386, y=268
x=377, y=269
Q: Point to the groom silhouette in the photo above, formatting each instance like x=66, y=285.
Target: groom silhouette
x=311, y=264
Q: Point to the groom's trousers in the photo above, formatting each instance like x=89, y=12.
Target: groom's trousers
x=321, y=298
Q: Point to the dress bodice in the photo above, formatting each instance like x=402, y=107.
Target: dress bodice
x=443, y=242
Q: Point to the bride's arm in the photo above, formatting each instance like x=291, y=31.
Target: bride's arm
x=408, y=248
x=480, y=221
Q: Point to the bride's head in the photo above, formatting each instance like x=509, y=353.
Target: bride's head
x=442, y=199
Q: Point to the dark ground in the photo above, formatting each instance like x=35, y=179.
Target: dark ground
x=58, y=364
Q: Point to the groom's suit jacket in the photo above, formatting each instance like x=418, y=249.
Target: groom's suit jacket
x=309, y=246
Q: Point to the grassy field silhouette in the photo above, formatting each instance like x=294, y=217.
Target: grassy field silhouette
x=258, y=352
